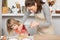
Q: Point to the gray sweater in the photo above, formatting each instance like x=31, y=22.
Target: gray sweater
x=46, y=12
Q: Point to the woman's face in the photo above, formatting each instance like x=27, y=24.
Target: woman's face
x=32, y=8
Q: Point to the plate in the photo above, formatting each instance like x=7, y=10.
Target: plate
x=28, y=38
x=13, y=39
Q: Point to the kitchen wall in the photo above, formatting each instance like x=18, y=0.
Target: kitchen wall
x=58, y=4
x=21, y=2
x=13, y=2
x=56, y=22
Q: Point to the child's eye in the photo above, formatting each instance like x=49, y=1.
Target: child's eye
x=13, y=25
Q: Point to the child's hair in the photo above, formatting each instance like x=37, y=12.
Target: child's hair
x=10, y=23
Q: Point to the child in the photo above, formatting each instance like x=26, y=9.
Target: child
x=15, y=27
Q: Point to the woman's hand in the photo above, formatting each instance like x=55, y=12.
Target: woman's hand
x=4, y=37
x=34, y=24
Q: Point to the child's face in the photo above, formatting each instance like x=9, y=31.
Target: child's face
x=20, y=26
x=15, y=26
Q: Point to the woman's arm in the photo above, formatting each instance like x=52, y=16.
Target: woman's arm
x=25, y=17
x=47, y=15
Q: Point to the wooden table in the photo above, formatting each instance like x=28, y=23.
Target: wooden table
x=46, y=37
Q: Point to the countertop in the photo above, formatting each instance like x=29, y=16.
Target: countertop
x=46, y=37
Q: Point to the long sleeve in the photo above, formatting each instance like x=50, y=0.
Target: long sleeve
x=25, y=17
x=47, y=16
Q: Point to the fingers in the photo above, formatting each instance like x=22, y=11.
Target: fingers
x=34, y=24
x=4, y=37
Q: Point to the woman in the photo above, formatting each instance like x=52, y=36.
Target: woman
x=41, y=14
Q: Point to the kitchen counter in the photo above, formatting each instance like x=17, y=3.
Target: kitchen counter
x=46, y=37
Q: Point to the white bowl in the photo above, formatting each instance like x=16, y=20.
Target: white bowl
x=13, y=39
x=27, y=39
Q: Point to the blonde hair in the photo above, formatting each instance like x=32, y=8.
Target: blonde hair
x=10, y=23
